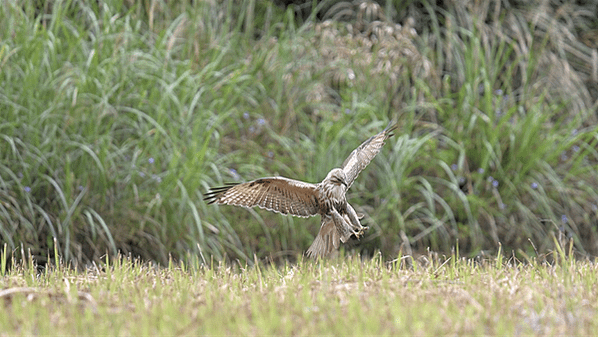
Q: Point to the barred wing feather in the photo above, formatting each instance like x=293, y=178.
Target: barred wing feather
x=363, y=155
x=276, y=194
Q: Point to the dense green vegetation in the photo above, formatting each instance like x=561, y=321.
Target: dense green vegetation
x=116, y=116
x=349, y=296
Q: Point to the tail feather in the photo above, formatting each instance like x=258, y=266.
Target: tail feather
x=327, y=240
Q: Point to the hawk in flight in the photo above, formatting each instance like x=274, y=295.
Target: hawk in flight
x=288, y=196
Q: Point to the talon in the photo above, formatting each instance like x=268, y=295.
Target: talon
x=360, y=232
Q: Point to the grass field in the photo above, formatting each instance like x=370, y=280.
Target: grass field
x=117, y=115
x=348, y=296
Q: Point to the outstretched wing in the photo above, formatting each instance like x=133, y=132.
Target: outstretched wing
x=363, y=155
x=327, y=240
x=277, y=194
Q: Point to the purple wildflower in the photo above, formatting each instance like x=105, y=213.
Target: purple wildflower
x=234, y=173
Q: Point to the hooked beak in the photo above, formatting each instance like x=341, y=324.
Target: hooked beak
x=342, y=181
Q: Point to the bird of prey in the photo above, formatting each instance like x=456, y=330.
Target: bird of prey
x=288, y=196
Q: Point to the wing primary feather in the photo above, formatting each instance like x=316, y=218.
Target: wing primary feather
x=364, y=153
x=215, y=193
x=277, y=194
x=260, y=197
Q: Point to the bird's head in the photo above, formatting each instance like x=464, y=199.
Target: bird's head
x=337, y=177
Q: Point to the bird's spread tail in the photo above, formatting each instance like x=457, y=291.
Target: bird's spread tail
x=327, y=240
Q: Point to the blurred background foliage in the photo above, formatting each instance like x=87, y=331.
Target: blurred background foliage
x=117, y=115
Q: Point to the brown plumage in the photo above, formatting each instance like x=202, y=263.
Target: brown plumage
x=288, y=196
